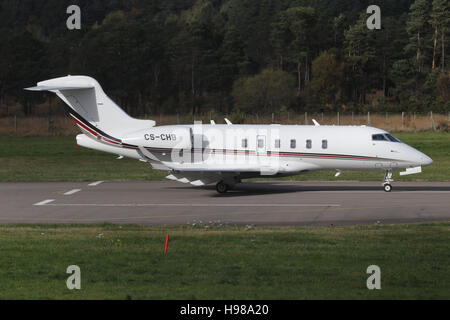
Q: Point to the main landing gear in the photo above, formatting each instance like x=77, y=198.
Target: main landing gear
x=222, y=187
x=387, y=181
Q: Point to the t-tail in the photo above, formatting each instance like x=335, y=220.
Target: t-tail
x=92, y=110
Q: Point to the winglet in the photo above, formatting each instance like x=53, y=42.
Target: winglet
x=316, y=123
x=228, y=122
x=213, y=122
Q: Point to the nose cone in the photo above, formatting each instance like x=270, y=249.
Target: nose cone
x=425, y=160
x=415, y=157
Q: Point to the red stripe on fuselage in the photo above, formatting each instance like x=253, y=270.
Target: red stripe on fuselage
x=84, y=126
x=282, y=154
x=110, y=141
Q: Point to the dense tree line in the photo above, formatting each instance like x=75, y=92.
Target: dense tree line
x=248, y=56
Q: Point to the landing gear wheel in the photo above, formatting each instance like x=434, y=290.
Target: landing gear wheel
x=387, y=181
x=222, y=187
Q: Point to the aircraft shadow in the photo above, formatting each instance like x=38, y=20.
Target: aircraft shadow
x=251, y=189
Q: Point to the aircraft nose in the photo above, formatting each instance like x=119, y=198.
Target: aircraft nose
x=425, y=160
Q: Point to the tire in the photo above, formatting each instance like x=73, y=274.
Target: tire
x=222, y=187
x=387, y=187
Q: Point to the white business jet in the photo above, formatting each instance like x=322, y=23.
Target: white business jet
x=225, y=154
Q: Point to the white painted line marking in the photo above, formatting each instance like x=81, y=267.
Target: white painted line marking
x=190, y=205
x=68, y=193
x=93, y=184
x=43, y=203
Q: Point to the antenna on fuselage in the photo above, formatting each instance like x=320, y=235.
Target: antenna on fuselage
x=228, y=122
x=316, y=123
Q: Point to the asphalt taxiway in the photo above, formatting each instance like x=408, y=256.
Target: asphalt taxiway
x=255, y=203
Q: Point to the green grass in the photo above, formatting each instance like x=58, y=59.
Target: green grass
x=216, y=262
x=57, y=159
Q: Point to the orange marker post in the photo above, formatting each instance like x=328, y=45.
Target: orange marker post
x=167, y=244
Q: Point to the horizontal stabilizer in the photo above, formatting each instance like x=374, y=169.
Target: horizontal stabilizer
x=50, y=88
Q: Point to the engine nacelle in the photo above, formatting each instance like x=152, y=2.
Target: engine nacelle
x=169, y=137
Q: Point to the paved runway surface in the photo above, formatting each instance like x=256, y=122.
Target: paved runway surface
x=258, y=203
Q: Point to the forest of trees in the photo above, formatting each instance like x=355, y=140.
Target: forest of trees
x=247, y=56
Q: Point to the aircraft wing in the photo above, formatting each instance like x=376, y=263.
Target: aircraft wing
x=221, y=167
x=196, y=178
x=263, y=168
x=200, y=174
x=203, y=173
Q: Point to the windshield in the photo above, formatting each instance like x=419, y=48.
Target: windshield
x=379, y=137
x=384, y=137
x=392, y=138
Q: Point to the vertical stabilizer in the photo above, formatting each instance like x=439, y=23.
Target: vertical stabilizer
x=90, y=107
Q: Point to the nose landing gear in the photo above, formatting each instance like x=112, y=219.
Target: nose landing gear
x=387, y=181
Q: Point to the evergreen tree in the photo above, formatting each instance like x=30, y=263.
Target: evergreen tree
x=293, y=38
x=419, y=29
x=360, y=53
x=440, y=20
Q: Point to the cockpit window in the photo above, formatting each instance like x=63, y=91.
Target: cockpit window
x=379, y=137
x=392, y=138
x=384, y=137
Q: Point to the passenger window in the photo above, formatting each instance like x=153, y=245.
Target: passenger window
x=379, y=137
x=260, y=143
x=308, y=144
x=324, y=144
x=293, y=144
x=244, y=143
x=277, y=143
